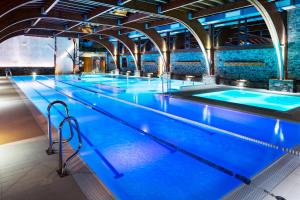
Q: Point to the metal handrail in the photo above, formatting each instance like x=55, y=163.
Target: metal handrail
x=62, y=165
x=50, y=136
x=167, y=76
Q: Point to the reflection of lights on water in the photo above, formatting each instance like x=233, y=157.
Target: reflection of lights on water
x=277, y=126
x=145, y=128
x=165, y=103
x=281, y=136
x=136, y=99
x=278, y=130
x=206, y=114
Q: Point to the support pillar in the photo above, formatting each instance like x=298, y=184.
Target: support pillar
x=117, y=56
x=167, y=53
x=139, y=55
x=211, y=51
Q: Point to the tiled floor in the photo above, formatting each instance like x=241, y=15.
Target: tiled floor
x=289, y=188
x=26, y=171
x=14, y=113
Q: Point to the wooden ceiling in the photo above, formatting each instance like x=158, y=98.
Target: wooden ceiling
x=58, y=17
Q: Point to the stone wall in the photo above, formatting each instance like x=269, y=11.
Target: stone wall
x=259, y=75
x=193, y=63
x=150, y=62
x=294, y=45
x=110, y=63
x=130, y=63
x=188, y=63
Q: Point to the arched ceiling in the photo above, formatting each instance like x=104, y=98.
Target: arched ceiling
x=153, y=12
x=86, y=18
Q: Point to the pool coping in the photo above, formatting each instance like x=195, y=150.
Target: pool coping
x=292, y=115
x=268, y=178
x=91, y=178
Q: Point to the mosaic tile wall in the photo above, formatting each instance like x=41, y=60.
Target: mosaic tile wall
x=294, y=44
x=130, y=64
x=110, y=63
x=259, y=64
x=188, y=63
x=150, y=63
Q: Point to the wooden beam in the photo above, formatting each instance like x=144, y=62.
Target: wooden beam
x=109, y=46
x=33, y=14
x=177, y=4
x=37, y=33
x=128, y=43
x=8, y=6
x=161, y=23
x=98, y=12
x=219, y=9
x=193, y=26
x=134, y=17
x=49, y=4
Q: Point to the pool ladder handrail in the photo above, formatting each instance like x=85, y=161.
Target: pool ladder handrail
x=62, y=165
x=50, y=135
x=168, y=79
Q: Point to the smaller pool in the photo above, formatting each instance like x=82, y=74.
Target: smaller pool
x=257, y=99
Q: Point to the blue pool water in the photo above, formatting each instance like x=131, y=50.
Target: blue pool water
x=144, y=145
x=257, y=99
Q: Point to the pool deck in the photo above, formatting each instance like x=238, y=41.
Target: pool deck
x=291, y=115
x=26, y=171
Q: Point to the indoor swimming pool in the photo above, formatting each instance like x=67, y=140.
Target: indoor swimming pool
x=146, y=145
x=257, y=99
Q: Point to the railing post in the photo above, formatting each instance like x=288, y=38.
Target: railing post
x=62, y=165
x=60, y=170
x=50, y=150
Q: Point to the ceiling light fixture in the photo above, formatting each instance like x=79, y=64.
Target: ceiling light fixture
x=120, y=12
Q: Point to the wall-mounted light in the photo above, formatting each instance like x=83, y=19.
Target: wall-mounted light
x=241, y=83
x=34, y=75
